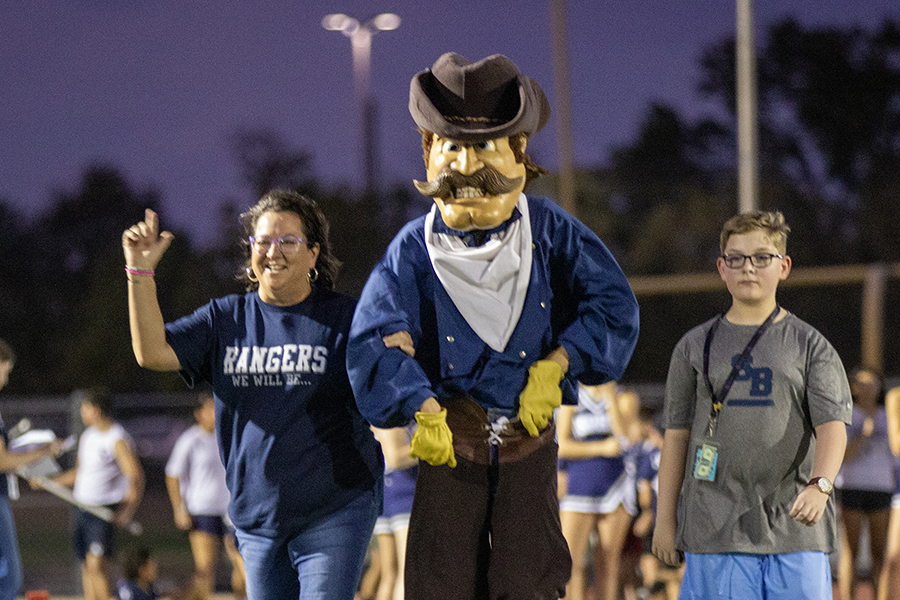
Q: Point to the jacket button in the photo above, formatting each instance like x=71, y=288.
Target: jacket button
x=451, y=339
x=523, y=354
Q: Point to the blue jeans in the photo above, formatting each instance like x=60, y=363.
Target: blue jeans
x=10, y=563
x=322, y=562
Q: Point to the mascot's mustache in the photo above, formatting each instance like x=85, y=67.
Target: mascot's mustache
x=489, y=180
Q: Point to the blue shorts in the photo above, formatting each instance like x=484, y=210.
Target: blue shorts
x=789, y=576
x=211, y=524
x=94, y=535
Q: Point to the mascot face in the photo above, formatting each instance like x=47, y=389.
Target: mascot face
x=475, y=184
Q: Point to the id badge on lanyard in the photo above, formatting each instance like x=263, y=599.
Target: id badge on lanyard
x=707, y=457
x=706, y=461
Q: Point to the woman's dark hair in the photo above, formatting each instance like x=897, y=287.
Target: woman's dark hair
x=315, y=228
x=879, y=378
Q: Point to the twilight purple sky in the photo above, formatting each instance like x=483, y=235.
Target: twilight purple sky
x=156, y=87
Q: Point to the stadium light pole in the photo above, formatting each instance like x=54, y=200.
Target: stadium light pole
x=747, y=119
x=564, y=135
x=360, y=34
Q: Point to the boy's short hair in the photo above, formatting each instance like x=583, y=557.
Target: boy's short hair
x=135, y=558
x=771, y=223
x=6, y=352
x=101, y=398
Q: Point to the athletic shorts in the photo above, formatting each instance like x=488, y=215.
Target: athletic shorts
x=93, y=535
x=864, y=500
x=212, y=524
x=790, y=576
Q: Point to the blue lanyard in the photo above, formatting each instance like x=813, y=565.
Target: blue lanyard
x=717, y=401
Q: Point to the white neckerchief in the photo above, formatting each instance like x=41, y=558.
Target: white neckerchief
x=488, y=283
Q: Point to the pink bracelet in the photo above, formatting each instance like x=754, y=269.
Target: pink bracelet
x=133, y=271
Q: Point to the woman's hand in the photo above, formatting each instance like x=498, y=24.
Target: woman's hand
x=401, y=340
x=143, y=243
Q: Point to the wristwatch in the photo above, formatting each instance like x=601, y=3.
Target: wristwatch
x=823, y=484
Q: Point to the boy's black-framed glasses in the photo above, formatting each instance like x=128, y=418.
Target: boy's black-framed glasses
x=288, y=244
x=760, y=261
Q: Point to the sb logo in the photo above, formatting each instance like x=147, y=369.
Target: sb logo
x=760, y=379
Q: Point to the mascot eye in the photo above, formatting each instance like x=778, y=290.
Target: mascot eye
x=450, y=146
x=486, y=145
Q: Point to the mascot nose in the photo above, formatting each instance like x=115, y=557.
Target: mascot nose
x=467, y=161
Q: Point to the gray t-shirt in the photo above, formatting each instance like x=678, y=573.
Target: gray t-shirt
x=792, y=382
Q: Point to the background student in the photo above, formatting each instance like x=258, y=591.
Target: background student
x=195, y=480
x=107, y=473
x=866, y=481
x=600, y=495
x=392, y=526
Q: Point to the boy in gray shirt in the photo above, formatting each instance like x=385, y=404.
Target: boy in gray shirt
x=755, y=411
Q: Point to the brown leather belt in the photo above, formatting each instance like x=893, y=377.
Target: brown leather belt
x=474, y=434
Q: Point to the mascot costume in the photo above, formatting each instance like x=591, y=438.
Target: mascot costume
x=478, y=322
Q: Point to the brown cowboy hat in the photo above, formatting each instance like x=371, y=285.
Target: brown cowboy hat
x=467, y=101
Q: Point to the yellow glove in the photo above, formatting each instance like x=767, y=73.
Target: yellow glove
x=433, y=441
x=540, y=396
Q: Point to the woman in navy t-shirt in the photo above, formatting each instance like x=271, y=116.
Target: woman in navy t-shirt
x=303, y=468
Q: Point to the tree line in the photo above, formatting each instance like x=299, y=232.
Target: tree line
x=829, y=114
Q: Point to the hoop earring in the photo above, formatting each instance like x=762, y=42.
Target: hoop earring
x=313, y=275
x=250, y=275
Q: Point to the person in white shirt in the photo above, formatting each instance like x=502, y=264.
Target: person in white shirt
x=195, y=479
x=109, y=474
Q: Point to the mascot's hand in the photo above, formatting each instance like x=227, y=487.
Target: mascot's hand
x=433, y=441
x=540, y=396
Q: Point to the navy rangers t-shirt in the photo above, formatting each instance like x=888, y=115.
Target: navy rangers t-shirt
x=294, y=445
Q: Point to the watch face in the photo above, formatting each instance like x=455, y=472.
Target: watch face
x=824, y=485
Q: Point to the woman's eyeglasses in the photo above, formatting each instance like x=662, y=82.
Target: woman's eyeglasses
x=287, y=244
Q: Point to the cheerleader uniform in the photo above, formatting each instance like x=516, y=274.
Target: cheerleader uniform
x=399, y=489
x=596, y=485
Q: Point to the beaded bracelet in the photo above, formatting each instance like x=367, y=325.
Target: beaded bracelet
x=134, y=271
